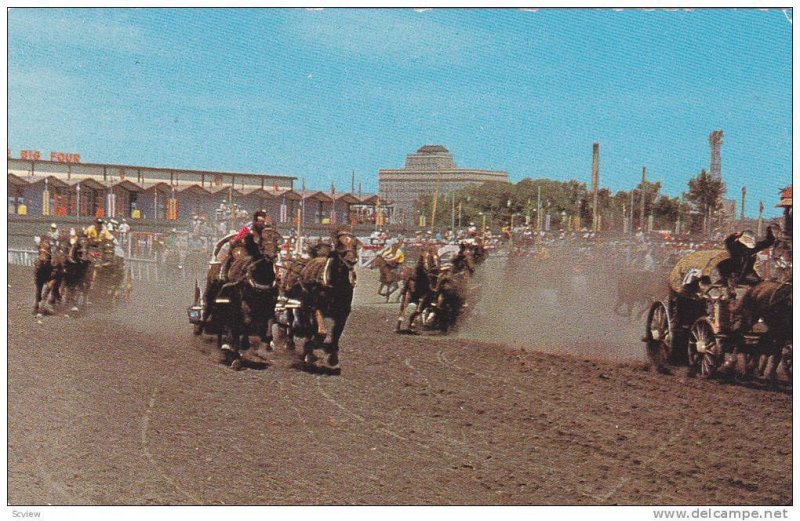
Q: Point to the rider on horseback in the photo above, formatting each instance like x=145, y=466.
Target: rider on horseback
x=98, y=233
x=53, y=234
x=394, y=256
x=248, y=236
x=463, y=260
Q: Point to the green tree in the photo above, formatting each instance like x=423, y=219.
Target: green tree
x=705, y=198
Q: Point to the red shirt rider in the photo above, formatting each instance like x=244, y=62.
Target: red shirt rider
x=259, y=220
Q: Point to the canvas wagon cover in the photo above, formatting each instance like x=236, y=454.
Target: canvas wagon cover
x=705, y=261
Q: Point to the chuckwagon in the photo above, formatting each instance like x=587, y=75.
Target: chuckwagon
x=110, y=279
x=694, y=325
x=200, y=312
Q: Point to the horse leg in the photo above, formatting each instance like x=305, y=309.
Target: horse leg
x=405, y=297
x=312, y=336
x=288, y=330
x=392, y=288
x=55, y=292
x=785, y=356
x=321, y=332
x=338, y=328
x=770, y=371
x=238, y=337
x=37, y=299
x=415, y=313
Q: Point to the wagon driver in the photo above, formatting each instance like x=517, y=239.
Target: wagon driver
x=248, y=236
x=742, y=247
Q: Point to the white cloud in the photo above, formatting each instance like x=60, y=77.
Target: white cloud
x=41, y=79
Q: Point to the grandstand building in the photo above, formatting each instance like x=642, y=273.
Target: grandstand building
x=63, y=186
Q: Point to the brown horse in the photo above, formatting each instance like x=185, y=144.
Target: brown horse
x=450, y=295
x=76, y=272
x=249, y=296
x=290, y=318
x=419, y=288
x=640, y=288
x=765, y=310
x=328, y=282
x=47, y=273
x=390, y=277
x=109, y=283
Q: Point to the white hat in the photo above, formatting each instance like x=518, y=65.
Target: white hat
x=53, y=226
x=748, y=238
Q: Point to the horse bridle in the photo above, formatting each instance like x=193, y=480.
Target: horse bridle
x=252, y=282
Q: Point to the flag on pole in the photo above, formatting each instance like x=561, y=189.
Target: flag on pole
x=302, y=209
x=333, y=208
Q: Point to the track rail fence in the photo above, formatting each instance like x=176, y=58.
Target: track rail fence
x=141, y=269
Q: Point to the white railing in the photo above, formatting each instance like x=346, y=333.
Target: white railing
x=141, y=269
x=22, y=257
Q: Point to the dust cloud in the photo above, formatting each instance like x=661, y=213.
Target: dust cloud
x=552, y=309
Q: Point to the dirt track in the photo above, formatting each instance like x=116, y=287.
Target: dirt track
x=128, y=408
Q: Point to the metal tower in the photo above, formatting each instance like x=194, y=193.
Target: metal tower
x=715, y=140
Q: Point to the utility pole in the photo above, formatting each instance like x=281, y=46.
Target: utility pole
x=453, y=213
x=760, y=218
x=630, y=227
x=644, y=194
x=595, y=182
x=624, y=220
x=744, y=193
x=538, y=208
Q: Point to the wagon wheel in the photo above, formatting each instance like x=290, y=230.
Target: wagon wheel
x=704, y=350
x=659, y=335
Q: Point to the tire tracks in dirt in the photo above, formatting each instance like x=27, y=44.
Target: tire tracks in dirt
x=601, y=497
x=56, y=486
x=145, y=445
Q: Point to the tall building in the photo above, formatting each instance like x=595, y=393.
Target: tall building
x=429, y=167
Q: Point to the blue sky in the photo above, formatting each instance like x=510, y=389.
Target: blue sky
x=318, y=94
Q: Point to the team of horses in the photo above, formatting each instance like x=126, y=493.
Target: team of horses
x=254, y=298
x=433, y=293
x=69, y=271
x=310, y=297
